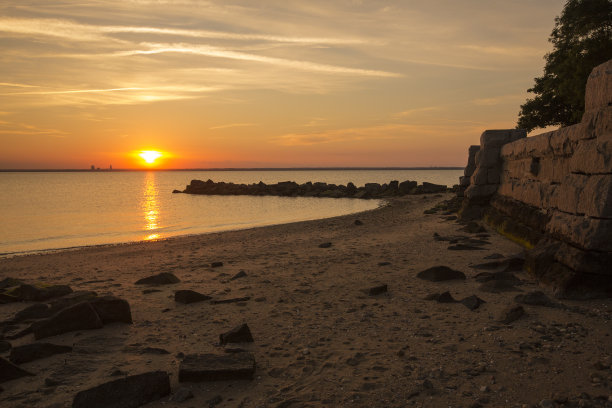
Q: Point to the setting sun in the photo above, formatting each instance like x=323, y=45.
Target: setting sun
x=150, y=156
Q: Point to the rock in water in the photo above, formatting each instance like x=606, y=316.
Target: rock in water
x=239, y=334
x=81, y=316
x=189, y=296
x=128, y=392
x=164, y=278
x=35, y=351
x=511, y=314
x=213, y=367
x=440, y=273
x=112, y=309
x=9, y=371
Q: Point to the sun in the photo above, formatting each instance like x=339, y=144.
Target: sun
x=150, y=156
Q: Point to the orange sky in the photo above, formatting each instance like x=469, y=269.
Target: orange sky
x=263, y=84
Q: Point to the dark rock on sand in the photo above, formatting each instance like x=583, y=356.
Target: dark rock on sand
x=154, y=350
x=511, y=314
x=9, y=282
x=164, y=278
x=216, y=264
x=40, y=293
x=35, y=351
x=112, y=309
x=358, y=222
x=440, y=273
x=472, y=302
x=71, y=299
x=182, y=394
x=4, y=346
x=35, y=311
x=189, y=296
x=446, y=297
x=464, y=247
x=129, y=392
x=147, y=291
x=230, y=300
x=241, y=274
x=81, y=316
x=325, y=245
x=239, y=334
x=497, y=276
x=498, y=286
x=535, y=298
x=473, y=228
x=9, y=371
x=377, y=290
x=5, y=298
x=494, y=256
x=214, y=367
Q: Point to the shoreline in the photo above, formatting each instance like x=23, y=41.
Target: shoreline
x=382, y=203
x=319, y=339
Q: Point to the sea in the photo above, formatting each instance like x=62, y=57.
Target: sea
x=43, y=211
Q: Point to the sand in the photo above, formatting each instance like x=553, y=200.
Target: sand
x=320, y=340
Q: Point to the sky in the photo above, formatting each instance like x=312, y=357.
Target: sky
x=288, y=83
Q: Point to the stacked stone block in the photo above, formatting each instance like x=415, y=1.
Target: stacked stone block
x=555, y=196
x=464, y=181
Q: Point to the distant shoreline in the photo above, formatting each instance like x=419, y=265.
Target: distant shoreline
x=227, y=169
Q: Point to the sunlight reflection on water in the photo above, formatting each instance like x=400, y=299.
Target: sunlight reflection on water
x=150, y=207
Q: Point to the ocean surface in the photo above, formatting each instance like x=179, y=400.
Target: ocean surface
x=56, y=210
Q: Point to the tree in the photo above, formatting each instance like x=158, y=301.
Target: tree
x=582, y=39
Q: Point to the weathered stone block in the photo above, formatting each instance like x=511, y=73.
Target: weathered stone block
x=564, y=141
x=598, y=92
x=81, y=316
x=474, y=191
x=538, y=146
x=598, y=123
x=479, y=177
x=567, y=194
x=596, y=197
x=493, y=176
x=489, y=157
x=499, y=137
x=585, y=232
x=471, y=164
x=591, y=157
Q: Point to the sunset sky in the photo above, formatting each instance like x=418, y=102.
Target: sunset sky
x=262, y=83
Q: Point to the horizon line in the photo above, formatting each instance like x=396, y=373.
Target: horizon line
x=107, y=170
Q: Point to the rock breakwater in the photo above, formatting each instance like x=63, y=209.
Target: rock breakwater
x=318, y=189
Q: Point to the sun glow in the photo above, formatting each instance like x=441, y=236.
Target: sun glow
x=150, y=156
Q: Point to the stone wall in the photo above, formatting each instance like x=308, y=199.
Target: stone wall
x=553, y=194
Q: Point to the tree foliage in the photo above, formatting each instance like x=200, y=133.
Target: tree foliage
x=582, y=39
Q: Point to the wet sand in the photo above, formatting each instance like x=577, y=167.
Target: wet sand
x=320, y=340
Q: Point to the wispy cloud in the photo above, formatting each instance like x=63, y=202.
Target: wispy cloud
x=233, y=125
x=24, y=129
x=496, y=100
x=210, y=51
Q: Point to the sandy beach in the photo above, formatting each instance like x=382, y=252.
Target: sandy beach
x=320, y=339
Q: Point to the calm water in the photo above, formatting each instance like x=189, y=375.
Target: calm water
x=41, y=211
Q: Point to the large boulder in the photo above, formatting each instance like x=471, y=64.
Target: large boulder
x=189, y=296
x=39, y=293
x=35, y=351
x=81, y=316
x=112, y=309
x=9, y=371
x=129, y=392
